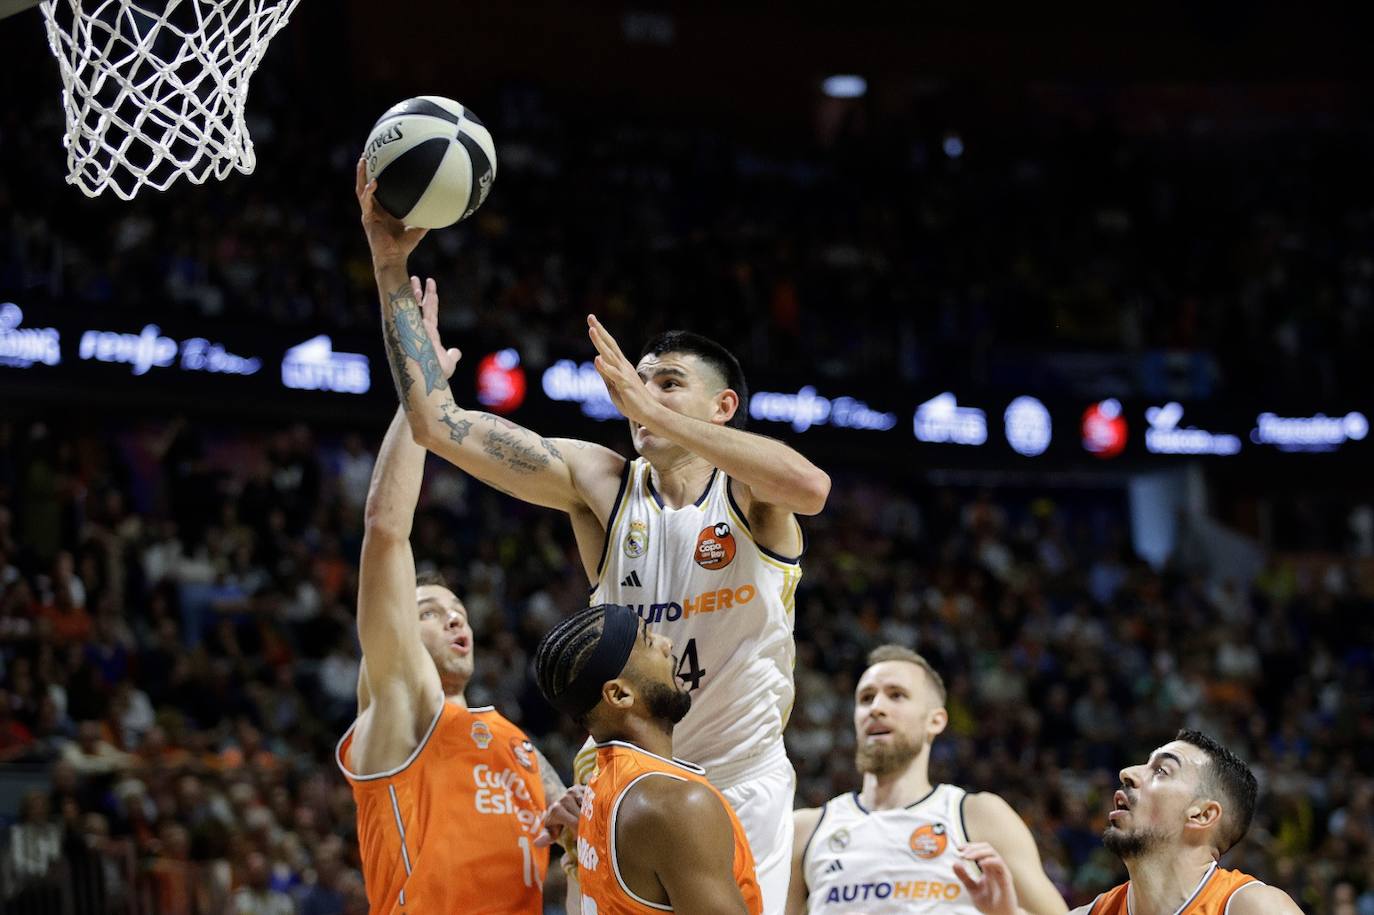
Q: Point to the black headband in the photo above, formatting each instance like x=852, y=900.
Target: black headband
x=619, y=629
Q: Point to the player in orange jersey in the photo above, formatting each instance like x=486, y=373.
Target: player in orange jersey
x=653, y=835
x=449, y=797
x=1171, y=822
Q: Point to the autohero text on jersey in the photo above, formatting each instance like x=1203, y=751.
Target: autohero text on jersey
x=705, y=602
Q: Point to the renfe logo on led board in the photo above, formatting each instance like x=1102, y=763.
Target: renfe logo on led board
x=1165, y=437
x=806, y=408
x=314, y=366
x=941, y=421
x=1309, y=433
x=21, y=347
x=150, y=349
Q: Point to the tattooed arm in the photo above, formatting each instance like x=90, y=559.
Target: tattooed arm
x=576, y=477
x=558, y=473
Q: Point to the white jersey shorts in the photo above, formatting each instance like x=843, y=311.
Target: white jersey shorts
x=763, y=803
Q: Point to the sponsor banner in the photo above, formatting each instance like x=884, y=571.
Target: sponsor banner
x=50, y=354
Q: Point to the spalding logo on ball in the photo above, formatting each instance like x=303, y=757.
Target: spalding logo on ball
x=434, y=161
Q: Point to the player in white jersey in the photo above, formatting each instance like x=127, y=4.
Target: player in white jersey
x=699, y=534
x=899, y=843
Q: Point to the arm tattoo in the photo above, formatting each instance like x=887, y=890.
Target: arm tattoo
x=502, y=421
x=503, y=446
x=396, y=356
x=551, y=448
x=409, y=337
x=457, y=430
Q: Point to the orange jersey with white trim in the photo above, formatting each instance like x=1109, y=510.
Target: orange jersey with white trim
x=452, y=829
x=1211, y=897
x=619, y=767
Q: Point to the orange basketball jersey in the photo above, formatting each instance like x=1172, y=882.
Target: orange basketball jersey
x=452, y=829
x=619, y=766
x=1213, y=892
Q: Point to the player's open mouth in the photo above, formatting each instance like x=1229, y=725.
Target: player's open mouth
x=1121, y=807
x=877, y=730
x=462, y=644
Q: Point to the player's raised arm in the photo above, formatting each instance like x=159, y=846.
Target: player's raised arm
x=402, y=683
x=679, y=833
x=776, y=474
x=556, y=473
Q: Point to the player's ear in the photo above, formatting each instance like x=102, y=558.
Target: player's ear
x=727, y=404
x=617, y=694
x=937, y=722
x=1203, y=814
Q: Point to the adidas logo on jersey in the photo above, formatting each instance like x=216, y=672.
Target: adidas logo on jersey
x=835, y=867
x=631, y=581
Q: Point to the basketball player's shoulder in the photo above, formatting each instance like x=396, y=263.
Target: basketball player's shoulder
x=806, y=819
x=654, y=809
x=985, y=814
x=1252, y=897
x=805, y=822
x=1112, y=902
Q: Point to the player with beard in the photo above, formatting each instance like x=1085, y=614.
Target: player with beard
x=1170, y=823
x=653, y=834
x=899, y=843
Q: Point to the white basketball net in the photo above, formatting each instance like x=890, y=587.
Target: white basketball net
x=155, y=90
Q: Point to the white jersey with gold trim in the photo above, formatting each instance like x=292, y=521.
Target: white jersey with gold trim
x=877, y=861
x=696, y=575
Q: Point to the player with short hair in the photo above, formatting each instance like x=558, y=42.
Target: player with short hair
x=449, y=797
x=1171, y=822
x=898, y=843
x=653, y=834
x=699, y=534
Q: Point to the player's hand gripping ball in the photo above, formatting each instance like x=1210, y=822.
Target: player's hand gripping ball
x=434, y=161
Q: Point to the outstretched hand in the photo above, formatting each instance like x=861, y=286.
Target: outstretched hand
x=623, y=383
x=428, y=297
x=391, y=242
x=992, y=892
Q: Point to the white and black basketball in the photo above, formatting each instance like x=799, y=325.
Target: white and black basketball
x=434, y=161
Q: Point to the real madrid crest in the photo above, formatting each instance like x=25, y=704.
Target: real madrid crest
x=839, y=840
x=637, y=540
x=481, y=734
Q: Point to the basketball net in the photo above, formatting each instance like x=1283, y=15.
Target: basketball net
x=155, y=89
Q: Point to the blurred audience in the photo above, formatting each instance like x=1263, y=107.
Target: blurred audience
x=184, y=744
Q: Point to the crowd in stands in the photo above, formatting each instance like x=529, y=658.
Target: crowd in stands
x=883, y=255
x=177, y=656
x=177, y=650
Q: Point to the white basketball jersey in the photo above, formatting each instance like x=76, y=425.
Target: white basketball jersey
x=887, y=860
x=696, y=575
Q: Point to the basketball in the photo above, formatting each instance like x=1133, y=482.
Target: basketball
x=434, y=161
